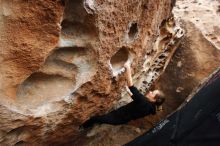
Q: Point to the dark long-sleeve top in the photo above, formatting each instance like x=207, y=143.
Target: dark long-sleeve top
x=138, y=108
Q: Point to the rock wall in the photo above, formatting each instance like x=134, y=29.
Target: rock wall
x=199, y=52
x=62, y=61
x=194, y=60
x=197, y=56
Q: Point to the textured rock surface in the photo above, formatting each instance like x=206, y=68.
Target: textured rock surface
x=61, y=61
x=199, y=52
x=204, y=14
x=197, y=57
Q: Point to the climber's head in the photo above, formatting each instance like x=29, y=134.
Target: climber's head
x=156, y=96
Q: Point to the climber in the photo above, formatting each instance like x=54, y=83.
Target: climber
x=140, y=106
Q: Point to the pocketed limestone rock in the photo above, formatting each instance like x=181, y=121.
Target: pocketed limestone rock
x=61, y=61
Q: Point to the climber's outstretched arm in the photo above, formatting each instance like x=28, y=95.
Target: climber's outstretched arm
x=128, y=74
x=129, y=91
x=132, y=91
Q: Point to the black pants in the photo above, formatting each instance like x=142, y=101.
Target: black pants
x=109, y=118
